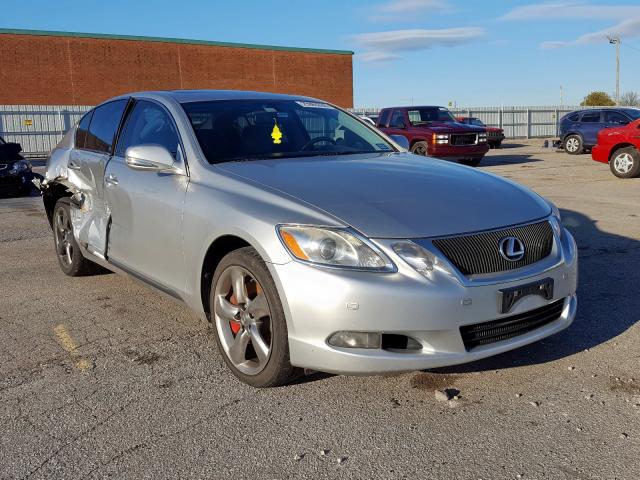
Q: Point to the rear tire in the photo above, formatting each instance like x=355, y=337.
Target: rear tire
x=471, y=162
x=249, y=323
x=70, y=258
x=420, y=148
x=573, y=145
x=625, y=163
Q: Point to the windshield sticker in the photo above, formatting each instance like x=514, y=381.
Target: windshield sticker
x=276, y=134
x=314, y=105
x=382, y=146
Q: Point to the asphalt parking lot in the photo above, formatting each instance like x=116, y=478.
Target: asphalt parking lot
x=99, y=377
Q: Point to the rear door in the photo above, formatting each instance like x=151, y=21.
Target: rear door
x=591, y=123
x=95, y=139
x=145, y=237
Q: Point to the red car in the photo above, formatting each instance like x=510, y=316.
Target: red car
x=620, y=148
x=433, y=131
x=495, y=135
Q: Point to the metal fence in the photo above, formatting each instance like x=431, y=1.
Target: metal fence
x=517, y=122
x=40, y=127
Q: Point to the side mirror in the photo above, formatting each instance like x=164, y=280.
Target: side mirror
x=401, y=140
x=155, y=158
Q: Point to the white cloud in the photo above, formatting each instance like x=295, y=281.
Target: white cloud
x=378, y=57
x=413, y=6
x=628, y=17
x=571, y=11
x=418, y=39
x=626, y=29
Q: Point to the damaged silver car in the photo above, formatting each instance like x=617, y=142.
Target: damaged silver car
x=306, y=237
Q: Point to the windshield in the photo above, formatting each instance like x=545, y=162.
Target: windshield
x=423, y=115
x=232, y=130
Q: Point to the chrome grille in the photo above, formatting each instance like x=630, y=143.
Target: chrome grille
x=463, y=139
x=480, y=253
x=509, y=327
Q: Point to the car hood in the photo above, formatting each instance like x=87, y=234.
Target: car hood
x=398, y=195
x=450, y=127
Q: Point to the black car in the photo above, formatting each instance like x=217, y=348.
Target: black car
x=15, y=171
x=579, y=130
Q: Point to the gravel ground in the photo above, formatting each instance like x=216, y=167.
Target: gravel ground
x=99, y=377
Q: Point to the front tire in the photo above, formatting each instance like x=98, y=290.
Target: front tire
x=420, y=148
x=625, y=163
x=249, y=323
x=573, y=145
x=70, y=258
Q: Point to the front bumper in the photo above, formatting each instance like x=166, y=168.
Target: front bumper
x=449, y=152
x=319, y=302
x=600, y=154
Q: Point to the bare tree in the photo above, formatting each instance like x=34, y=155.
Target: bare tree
x=630, y=99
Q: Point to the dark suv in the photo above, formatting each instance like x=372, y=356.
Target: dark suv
x=579, y=130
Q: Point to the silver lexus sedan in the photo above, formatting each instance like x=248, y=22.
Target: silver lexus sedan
x=306, y=237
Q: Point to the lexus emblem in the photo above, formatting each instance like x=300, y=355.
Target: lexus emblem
x=511, y=249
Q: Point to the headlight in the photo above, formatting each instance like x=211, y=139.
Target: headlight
x=440, y=138
x=421, y=259
x=556, y=219
x=19, y=167
x=333, y=247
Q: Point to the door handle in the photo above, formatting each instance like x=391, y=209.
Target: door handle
x=73, y=165
x=111, y=179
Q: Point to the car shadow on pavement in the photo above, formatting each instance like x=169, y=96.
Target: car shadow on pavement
x=497, y=160
x=608, y=300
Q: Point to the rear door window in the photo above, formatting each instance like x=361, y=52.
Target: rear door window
x=104, y=125
x=83, y=130
x=397, y=119
x=383, y=120
x=590, y=117
x=149, y=124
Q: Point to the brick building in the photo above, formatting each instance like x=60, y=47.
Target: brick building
x=57, y=68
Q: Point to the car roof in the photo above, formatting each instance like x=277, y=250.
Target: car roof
x=186, y=96
x=413, y=107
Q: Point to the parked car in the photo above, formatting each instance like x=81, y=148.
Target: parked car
x=620, y=148
x=579, y=129
x=15, y=172
x=495, y=135
x=368, y=120
x=307, y=238
x=434, y=132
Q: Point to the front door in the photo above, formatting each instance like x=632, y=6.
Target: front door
x=145, y=235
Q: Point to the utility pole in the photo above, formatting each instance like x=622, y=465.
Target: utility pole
x=616, y=41
x=561, y=97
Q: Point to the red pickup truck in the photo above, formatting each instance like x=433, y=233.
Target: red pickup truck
x=620, y=148
x=433, y=131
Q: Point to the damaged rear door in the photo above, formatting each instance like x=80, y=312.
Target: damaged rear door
x=87, y=163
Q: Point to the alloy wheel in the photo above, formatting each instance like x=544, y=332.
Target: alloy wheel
x=572, y=145
x=243, y=320
x=623, y=163
x=63, y=232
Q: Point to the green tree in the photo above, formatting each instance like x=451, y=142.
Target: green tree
x=598, y=99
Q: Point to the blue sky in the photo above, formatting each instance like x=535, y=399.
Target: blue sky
x=473, y=53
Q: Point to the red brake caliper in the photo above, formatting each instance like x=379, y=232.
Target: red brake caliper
x=235, y=325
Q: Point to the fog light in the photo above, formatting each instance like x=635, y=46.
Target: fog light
x=356, y=340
